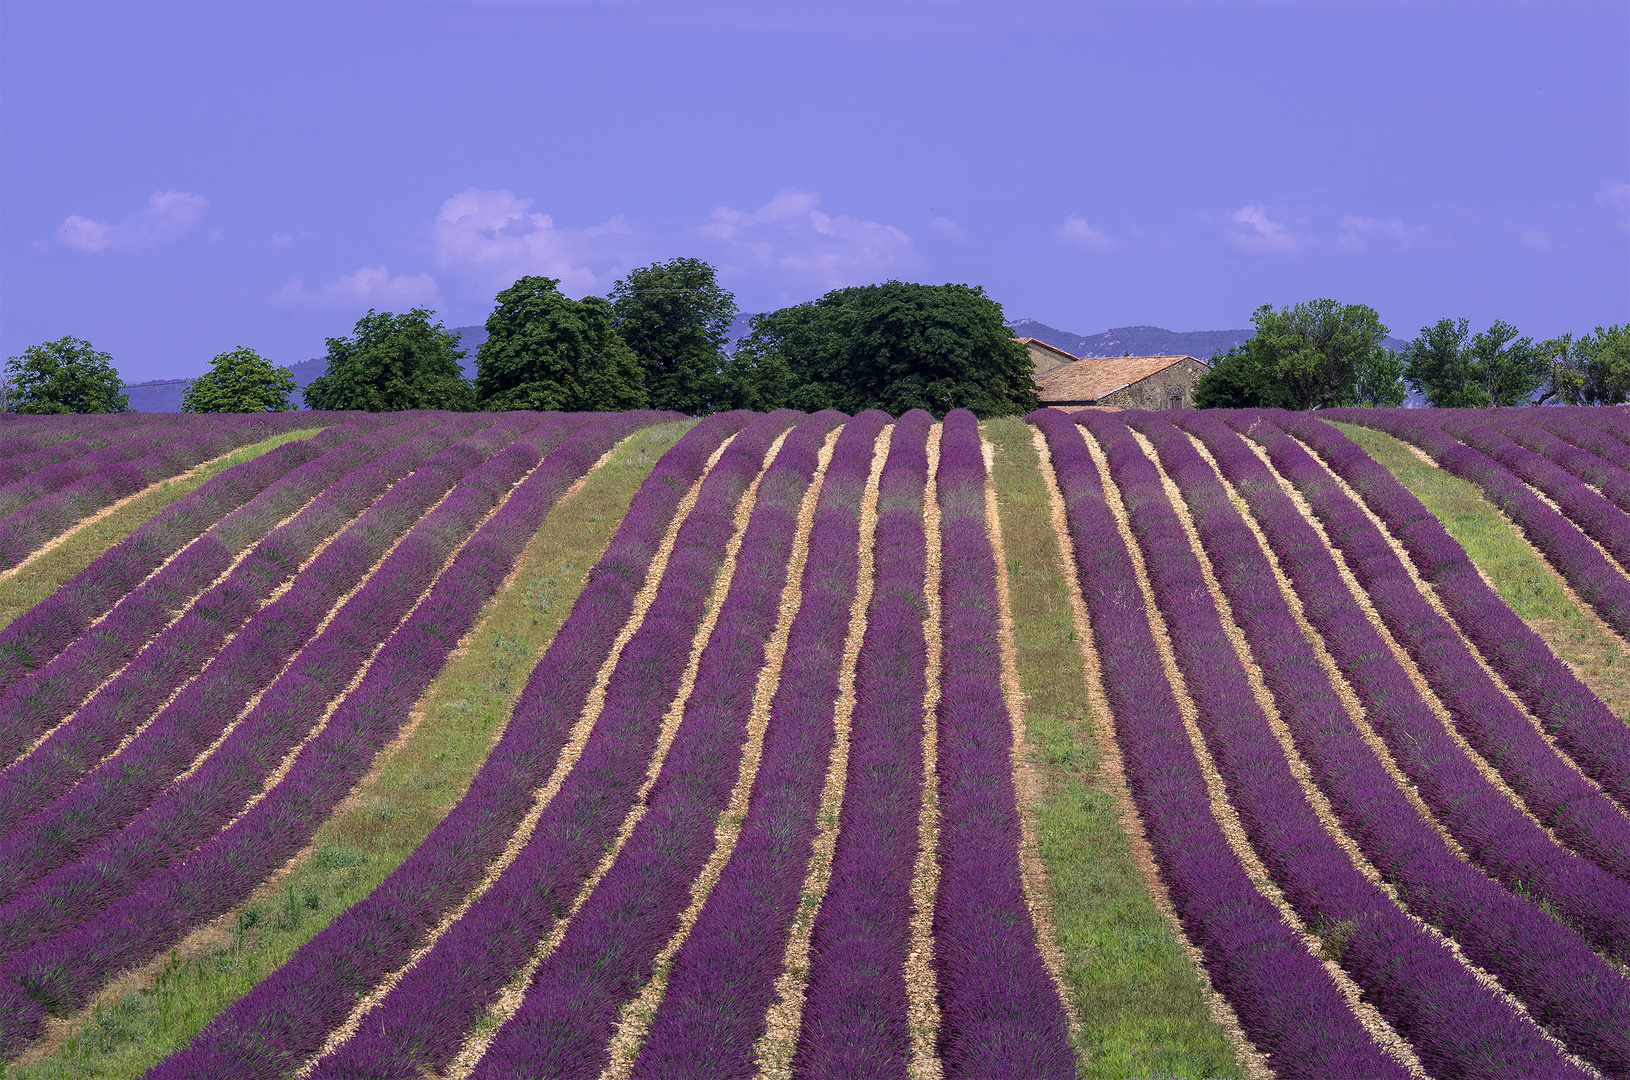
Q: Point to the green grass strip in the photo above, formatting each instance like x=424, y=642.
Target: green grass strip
x=42, y=575
x=1511, y=565
x=402, y=799
x=1140, y=1003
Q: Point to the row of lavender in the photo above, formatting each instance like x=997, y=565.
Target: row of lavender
x=1524, y=460
x=179, y=867
x=1402, y=969
x=1000, y=1014
x=1286, y=1002
x=570, y=1011
x=43, y=631
x=147, y=831
x=45, y=492
x=999, y=1003
x=176, y=620
x=1412, y=979
x=286, y=1019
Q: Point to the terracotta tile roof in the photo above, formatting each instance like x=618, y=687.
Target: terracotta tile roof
x=1096, y=377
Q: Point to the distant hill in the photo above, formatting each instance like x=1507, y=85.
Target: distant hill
x=1145, y=340
x=1137, y=340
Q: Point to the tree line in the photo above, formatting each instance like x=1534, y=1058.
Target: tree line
x=1322, y=354
x=660, y=340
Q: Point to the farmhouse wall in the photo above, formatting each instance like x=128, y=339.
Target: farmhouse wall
x=1169, y=388
x=1046, y=357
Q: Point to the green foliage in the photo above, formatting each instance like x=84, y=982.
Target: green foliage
x=762, y=374
x=64, y=376
x=676, y=318
x=240, y=381
x=1458, y=370
x=1316, y=355
x=393, y=362
x=1591, y=370
x=1381, y=380
x=545, y=350
x=895, y=346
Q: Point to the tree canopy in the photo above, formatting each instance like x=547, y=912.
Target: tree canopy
x=545, y=350
x=240, y=381
x=393, y=362
x=896, y=346
x=1590, y=370
x=64, y=376
x=1315, y=355
x=676, y=318
x=1456, y=369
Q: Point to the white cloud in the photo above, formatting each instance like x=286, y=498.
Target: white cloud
x=369, y=286
x=790, y=232
x=495, y=237
x=947, y=228
x=1080, y=233
x=1254, y=231
x=169, y=216
x=1361, y=232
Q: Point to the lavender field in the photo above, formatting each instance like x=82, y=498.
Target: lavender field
x=771, y=780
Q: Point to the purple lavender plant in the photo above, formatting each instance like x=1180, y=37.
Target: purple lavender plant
x=1286, y=1003
x=999, y=1011
x=855, y=1021
x=1458, y=1026
x=285, y=1019
x=722, y=982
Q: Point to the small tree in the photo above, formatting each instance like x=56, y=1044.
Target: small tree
x=545, y=350
x=1456, y=369
x=1381, y=380
x=676, y=318
x=1309, y=356
x=240, y=381
x=65, y=376
x=393, y=362
x=1591, y=370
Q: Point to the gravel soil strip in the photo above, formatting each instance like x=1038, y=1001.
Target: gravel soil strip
x=921, y=983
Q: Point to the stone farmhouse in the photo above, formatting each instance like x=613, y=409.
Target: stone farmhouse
x=1126, y=382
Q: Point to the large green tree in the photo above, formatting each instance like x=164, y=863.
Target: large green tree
x=239, y=381
x=545, y=350
x=1457, y=369
x=64, y=376
x=895, y=346
x=393, y=362
x=1314, y=355
x=676, y=318
x=1589, y=370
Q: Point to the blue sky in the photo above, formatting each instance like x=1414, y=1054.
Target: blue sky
x=178, y=180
